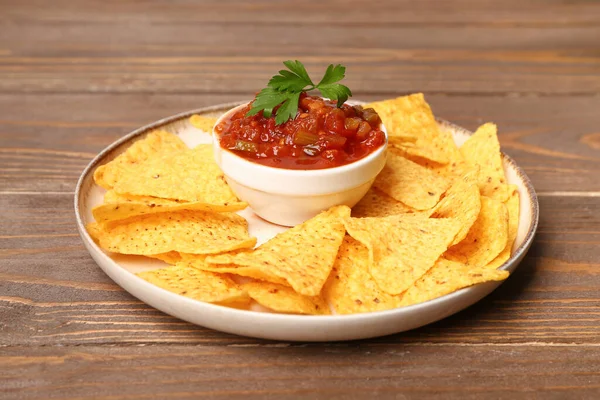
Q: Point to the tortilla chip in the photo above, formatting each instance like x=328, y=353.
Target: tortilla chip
x=486, y=238
x=170, y=258
x=410, y=119
x=302, y=255
x=462, y=202
x=94, y=229
x=378, y=204
x=205, y=124
x=350, y=288
x=190, y=175
x=512, y=206
x=198, y=285
x=194, y=232
x=132, y=206
x=483, y=150
x=410, y=183
x=284, y=300
x=402, y=247
x=157, y=142
x=446, y=277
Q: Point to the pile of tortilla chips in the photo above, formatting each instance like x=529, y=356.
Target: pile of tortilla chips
x=437, y=219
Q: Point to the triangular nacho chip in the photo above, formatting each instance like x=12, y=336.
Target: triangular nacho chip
x=486, y=238
x=483, y=150
x=378, y=204
x=194, y=232
x=446, y=277
x=410, y=183
x=198, y=285
x=402, y=247
x=302, y=255
x=203, y=123
x=122, y=206
x=190, y=175
x=461, y=201
x=284, y=300
x=154, y=143
x=512, y=206
x=351, y=288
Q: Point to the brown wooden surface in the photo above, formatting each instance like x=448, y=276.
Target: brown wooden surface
x=75, y=76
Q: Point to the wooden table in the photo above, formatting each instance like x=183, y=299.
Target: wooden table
x=75, y=76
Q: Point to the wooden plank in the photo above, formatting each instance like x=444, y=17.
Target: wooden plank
x=343, y=371
x=231, y=47
x=47, y=141
x=509, y=13
x=52, y=292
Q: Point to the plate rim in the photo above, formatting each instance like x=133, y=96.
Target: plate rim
x=509, y=265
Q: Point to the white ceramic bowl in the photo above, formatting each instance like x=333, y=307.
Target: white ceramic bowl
x=289, y=197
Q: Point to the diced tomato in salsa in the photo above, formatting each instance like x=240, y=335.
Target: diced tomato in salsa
x=321, y=135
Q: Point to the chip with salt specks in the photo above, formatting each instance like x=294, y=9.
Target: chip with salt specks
x=378, y=204
x=198, y=285
x=170, y=258
x=486, y=238
x=262, y=274
x=94, y=229
x=461, y=201
x=512, y=206
x=122, y=206
x=410, y=183
x=410, y=119
x=402, y=247
x=482, y=149
x=154, y=143
x=446, y=277
x=351, y=288
x=190, y=175
x=203, y=123
x=194, y=232
x=285, y=300
x=302, y=255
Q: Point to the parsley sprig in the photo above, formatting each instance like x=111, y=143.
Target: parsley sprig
x=284, y=90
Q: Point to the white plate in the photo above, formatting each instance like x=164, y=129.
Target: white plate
x=267, y=325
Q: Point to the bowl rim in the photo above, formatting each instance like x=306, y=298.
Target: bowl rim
x=509, y=265
x=317, y=172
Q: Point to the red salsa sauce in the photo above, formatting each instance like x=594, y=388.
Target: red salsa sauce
x=321, y=136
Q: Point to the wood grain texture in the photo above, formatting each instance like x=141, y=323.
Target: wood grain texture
x=75, y=76
x=233, y=47
x=354, y=371
x=46, y=141
x=54, y=293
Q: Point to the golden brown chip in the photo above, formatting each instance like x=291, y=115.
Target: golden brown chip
x=205, y=124
x=483, y=150
x=512, y=206
x=378, y=204
x=302, y=255
x=94, y=229
x=194, y=232
x=446, y=277
x=157, y=142
x=132, y=206
x=402, y=247
x=462, y=202
x=170, y=258
x=199, y=285
x=191, y=176
x=410, y=183
x=351, y=288
x=486, y=238
x=283, y=299
x=412, y=126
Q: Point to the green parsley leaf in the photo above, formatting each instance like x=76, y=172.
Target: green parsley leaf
x=284, y=90
x=266, y=100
